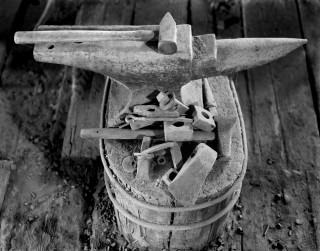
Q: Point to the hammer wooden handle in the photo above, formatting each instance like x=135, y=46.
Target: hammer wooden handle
x=99, y=27
x=33, y=37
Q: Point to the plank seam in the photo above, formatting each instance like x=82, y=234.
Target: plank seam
x=189, y=14
x=283, y=140
x=133, y=13
x=311, y=77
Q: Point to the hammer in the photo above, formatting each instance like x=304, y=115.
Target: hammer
x=166, y=33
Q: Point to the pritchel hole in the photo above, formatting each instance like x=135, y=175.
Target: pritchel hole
x=161, y=160
x=77, y=42
x=50, y=47
x=205, y=115
x=172, y=175
x=178, y=124
x=151, y=110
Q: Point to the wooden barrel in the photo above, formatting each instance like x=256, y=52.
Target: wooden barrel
x=147, y=215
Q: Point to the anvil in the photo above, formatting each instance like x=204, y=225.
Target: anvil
x=130, y=54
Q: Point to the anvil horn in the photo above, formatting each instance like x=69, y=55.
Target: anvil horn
x=240, y=54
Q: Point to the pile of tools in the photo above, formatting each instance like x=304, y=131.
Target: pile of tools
x=180, y=124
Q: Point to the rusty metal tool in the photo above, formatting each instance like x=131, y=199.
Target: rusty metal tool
x=157, y=148
x=209, y=102
x=224, y=134
x=129, y=164
x=175, y=131
x=146, y=142
x=144, y=166
x=131, y=118
x=168, y=102
x=144, y=161
x=176, y=156
x=203, y=119
x=145, y=156
x=153, y=111
x=186, y=186
x=140, y=124
x=169, y=176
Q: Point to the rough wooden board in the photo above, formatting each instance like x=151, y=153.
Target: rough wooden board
x=8, y=14
x=91, y=12
x=228, y=18
x=119, y=12
x=4, y=179
x=93, y=113
x=310, y=21
x=201, y=17
x=9, y=132
x=151, y=12
x=283, y=122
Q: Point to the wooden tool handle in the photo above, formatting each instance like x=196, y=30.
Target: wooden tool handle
x=33, y=37
x=115, y=133
x=99, y=27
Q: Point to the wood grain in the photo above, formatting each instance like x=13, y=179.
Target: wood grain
x=83, y=114
x=283, y=121
x=8, y=14
x=310, y=21
x=4, y=180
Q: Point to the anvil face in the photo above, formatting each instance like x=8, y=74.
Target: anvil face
x=130, y=62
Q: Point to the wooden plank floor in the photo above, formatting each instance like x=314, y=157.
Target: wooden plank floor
x=280, y=200
x=279, y=113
